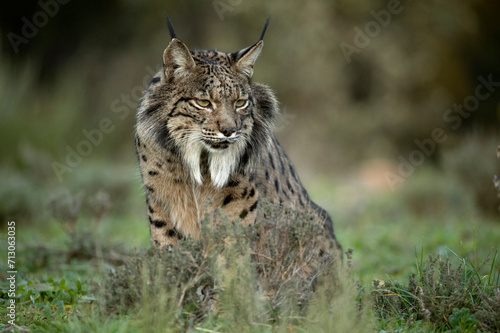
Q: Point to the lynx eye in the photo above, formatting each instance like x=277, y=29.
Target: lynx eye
x=240, y=103
x=203, y=103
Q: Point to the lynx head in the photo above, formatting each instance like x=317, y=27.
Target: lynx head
x=211, y=106
x=217, y=91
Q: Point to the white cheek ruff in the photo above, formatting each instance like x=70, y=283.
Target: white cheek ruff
x=192, y=155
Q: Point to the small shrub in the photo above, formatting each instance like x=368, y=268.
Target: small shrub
x=83, y=244
x=245, y=275
x=290, y=253
x=19, y=196
x=41, y=300
x=462, y=321
x=436, y=294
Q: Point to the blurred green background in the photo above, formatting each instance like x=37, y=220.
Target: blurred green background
x=363, y=86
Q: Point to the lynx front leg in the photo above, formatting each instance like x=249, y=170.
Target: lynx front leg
x=161, y=226
x=172, y=218
x=171, y=203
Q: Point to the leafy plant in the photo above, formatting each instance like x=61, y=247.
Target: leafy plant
x=438, y=291
x=48, y=299
x=461, y=320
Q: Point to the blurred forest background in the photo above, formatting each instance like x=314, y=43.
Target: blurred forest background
x=358, y=81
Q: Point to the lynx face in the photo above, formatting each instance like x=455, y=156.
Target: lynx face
x=223, y=105
x=215, y=113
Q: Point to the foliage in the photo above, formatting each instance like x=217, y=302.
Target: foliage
x=450, y=297
x=41, y=301
x=229, y=274
x=463, y=321
x=230, y=281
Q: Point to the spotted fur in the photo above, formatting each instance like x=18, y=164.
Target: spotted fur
x=204, y=141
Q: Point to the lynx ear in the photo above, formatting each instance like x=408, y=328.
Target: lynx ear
x=177, y=59
x=245, y=59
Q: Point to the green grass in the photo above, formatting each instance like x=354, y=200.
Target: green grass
x=408, y=273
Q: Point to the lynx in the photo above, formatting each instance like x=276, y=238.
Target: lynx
x=204, y=140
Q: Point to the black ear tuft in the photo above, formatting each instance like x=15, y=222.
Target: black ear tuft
x=171, y=27
x=245, y=59
x=265, y=28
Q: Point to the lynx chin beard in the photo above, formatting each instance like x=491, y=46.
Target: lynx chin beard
x=221, y=161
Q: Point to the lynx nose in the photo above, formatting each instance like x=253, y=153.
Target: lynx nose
x=228, y=131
